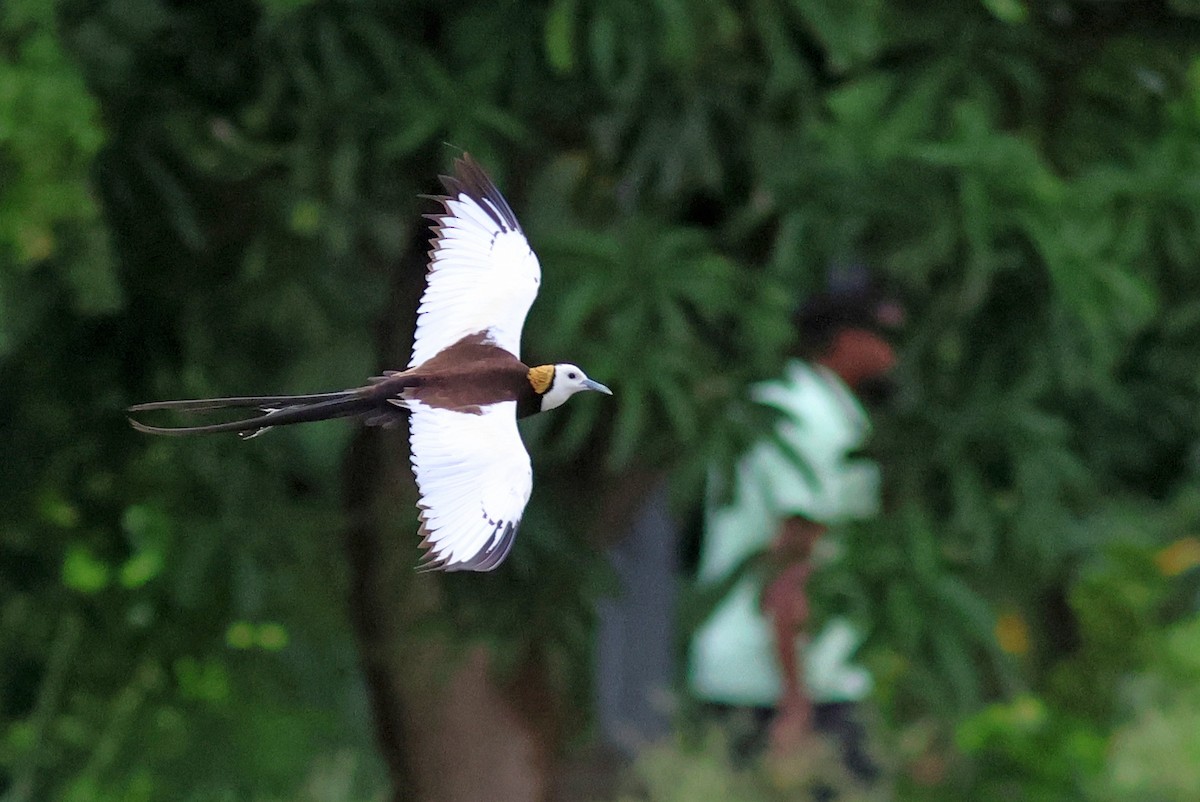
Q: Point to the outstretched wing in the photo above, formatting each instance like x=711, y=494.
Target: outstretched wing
x=483, y=276
x=474, y=477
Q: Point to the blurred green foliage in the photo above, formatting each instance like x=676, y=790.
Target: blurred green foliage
x=202, y=199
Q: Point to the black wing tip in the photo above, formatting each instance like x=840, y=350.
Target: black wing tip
x=430, y=565
x=471, y=180
x=489, y=560
x=486, y=560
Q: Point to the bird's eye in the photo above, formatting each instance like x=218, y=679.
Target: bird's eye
x=572, y=375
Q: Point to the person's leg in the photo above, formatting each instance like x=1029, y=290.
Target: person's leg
x=745, y=728
x=839, y=721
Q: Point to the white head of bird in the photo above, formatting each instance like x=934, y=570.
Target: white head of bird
x=566, y=380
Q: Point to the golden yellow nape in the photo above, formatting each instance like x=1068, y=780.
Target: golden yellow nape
x=541, y=377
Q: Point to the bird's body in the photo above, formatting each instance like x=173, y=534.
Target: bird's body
x=463, y=390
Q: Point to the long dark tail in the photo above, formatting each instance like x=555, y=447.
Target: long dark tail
x=277, y=410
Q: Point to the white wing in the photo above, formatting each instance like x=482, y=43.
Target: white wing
x=482, y=273
x=474, y=477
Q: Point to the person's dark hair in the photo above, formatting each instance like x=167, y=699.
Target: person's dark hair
x=853, y=299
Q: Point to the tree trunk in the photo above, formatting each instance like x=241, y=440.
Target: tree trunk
x=447, y=730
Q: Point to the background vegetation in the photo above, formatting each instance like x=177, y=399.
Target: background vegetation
x=218, y=198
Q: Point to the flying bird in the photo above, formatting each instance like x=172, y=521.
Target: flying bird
x=464, y=387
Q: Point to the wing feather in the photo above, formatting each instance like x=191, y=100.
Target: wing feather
x=483, y=276
x=474, y=477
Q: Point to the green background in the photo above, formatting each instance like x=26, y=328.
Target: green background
x=222, y=198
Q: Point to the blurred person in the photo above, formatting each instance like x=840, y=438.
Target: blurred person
x=765, y=530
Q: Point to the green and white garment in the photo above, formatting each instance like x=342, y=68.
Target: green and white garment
x=732, y=659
